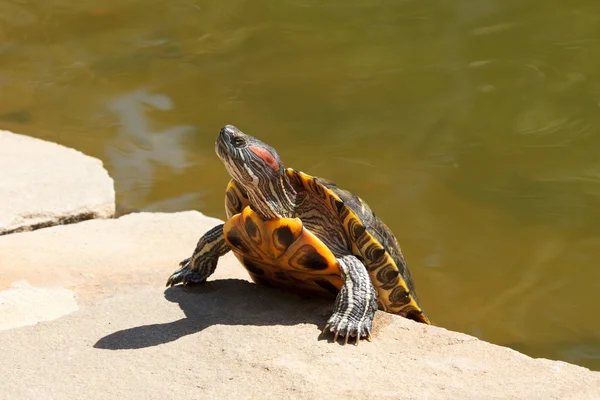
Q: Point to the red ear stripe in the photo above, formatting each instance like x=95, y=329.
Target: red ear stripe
x=266, y=156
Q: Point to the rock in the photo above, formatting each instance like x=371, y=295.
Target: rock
x=132, y=338
x=44, y=184
x=99, y=257
x=24, y=304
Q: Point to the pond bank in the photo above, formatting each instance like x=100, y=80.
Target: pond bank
x=85, y=315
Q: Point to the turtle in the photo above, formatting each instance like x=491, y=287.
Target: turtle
x=305, y=234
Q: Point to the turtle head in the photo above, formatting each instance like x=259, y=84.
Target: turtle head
x=258, y=169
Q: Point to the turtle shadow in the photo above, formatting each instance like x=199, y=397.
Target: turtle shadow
x=222, y=302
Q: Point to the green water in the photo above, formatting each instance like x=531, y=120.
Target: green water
x=470, y=127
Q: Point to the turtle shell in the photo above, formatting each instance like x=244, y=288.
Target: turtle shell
x=280, y=252
x=300, y=253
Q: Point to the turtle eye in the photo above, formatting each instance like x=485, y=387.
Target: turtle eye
x=237, y=141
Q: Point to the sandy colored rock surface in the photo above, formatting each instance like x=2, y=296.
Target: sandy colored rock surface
x=44, y=184
x=131, y=338
x=95, y=259
x=24, y=304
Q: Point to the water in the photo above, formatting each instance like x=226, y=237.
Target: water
x=470, y=127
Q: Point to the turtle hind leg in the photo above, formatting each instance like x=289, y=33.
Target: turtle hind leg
x=203, y=262
x=355, y=304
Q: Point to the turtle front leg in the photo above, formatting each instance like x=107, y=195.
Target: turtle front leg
x=355, y=304
x=203, y=262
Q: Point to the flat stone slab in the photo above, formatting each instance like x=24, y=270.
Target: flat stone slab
x=94, y=259
x=129, y=337
x=24, y=304
x=44, y=184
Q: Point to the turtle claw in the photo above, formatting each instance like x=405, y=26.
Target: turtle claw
x=202, y=263
x=185, y=262
x=186, y=275
x=356, y=302
x=347, y=330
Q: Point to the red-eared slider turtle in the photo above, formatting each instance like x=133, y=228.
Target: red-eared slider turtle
x=304, y=233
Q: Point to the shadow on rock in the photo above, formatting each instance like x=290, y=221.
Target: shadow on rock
x=223, y=302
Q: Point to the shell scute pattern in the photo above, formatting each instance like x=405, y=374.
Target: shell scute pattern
x=235, y=199
x=299, y=253
x=394, y=292
x=281, y=252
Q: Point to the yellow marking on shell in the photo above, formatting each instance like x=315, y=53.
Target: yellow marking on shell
x=231, y=185
x=281, y=246
x=234, y=190
x=350, y=219
x=388, y=261
x=305, y=179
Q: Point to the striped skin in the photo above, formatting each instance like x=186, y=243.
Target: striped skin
x=267, y=189
x=370, y=240
x=281, y=252
x=203, y=261
x=304, y=233
x=263, y=254
x=355, y=304
x=345, y=225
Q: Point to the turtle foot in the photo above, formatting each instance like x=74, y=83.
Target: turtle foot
x=342, y=327
x=186, y=274
x=355, y=303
